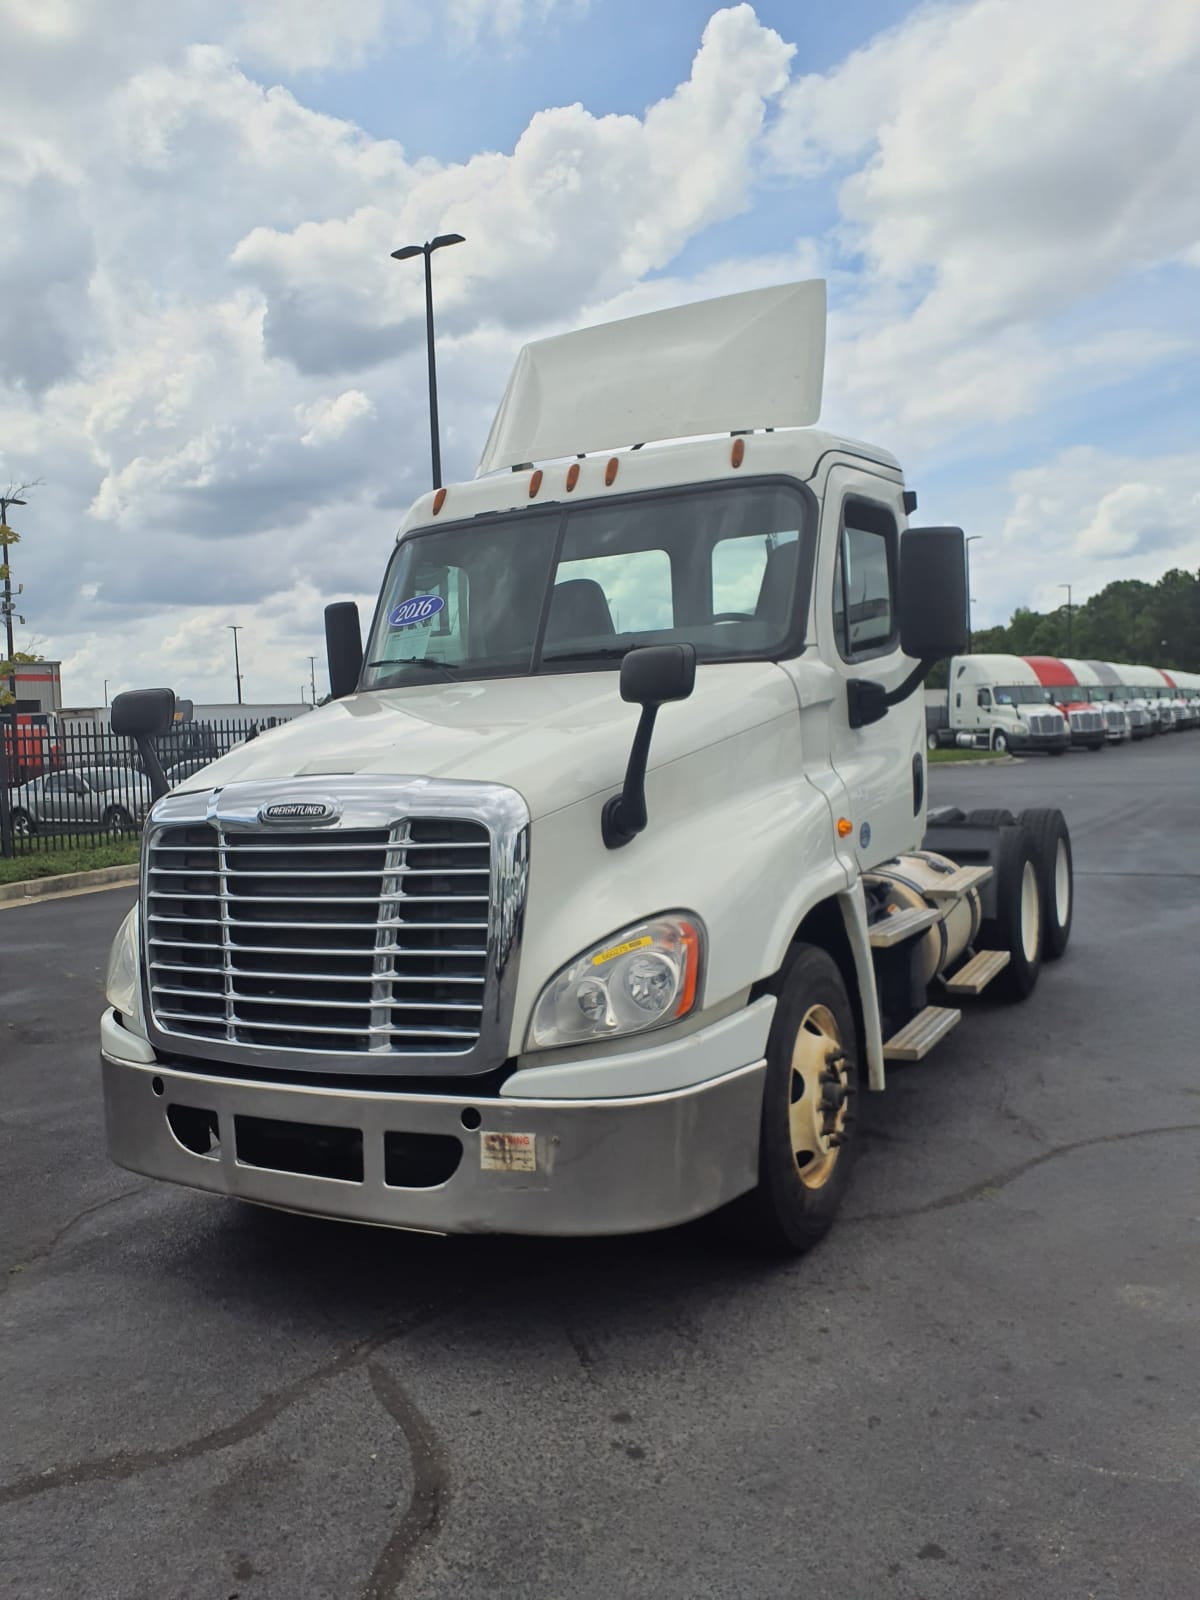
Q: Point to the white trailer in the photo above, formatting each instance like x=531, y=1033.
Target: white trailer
x=605, y=884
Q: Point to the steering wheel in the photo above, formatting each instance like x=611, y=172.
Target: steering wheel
x=733, y=616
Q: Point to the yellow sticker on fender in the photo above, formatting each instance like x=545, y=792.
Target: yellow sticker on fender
x=508, y=1152
x=615, y=950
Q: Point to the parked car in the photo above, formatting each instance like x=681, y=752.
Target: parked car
x=115, y=799
x=183, y=769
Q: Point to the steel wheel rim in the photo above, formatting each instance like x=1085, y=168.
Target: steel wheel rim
x=1031, y=915
x=818, y=1097
x=1062, y=884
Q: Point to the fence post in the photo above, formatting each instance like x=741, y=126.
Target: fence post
x=7, y=847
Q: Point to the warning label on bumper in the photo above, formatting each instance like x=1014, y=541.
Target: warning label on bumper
x=508, y=1152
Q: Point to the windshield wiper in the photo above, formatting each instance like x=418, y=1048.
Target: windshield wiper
x=604, y=653
x=418, y=661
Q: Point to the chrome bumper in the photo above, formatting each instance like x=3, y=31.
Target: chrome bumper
x=566, y=1167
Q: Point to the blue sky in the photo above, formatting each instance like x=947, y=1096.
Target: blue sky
x=219, y=374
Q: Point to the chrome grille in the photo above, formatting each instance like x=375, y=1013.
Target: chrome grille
x=347, y=940
x=1087, y=721
x=1041, y=722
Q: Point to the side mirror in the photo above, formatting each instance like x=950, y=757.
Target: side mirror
x=866, y=702
x=933, y=593
x=144, y=715
x=343, y=647
x=650, y=678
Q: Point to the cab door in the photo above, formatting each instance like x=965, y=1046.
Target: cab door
x=881, y=765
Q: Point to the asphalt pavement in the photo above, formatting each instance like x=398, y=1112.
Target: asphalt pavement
x=984, y=1383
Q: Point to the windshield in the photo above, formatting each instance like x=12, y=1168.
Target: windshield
x=1021, y=694
x=725, y=568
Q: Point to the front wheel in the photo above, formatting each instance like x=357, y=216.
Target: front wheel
x=932, y=742
x=1000, y=742
x=808, y=1135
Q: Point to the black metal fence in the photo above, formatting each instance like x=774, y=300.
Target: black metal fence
x=65, y=787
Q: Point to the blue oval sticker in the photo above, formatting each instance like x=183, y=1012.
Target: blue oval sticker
x=419, y=609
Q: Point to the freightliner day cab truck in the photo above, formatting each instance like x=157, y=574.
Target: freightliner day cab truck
x=998, y=702
x=606, y=883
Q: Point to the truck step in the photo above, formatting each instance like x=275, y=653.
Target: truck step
x=958, y=882
x=918, y=1037
x=978, y=972
x=901, y=925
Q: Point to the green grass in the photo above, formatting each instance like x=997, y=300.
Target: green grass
x=965, y=755
x=51, y=863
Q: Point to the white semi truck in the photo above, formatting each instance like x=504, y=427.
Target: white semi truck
x=605, y=883
x=998, y=702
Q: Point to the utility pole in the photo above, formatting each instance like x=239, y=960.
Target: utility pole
x=312, y=678
x=6, y=500
x=235, y=628
x=1067, y=587
x=427, y=250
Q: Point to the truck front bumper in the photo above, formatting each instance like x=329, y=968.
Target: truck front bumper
x=571, y=1167
x=1025, y=741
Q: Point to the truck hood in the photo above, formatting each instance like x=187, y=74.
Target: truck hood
x=556, y=739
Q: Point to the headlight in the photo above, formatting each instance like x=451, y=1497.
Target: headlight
x=123, y=986
x=643, y=977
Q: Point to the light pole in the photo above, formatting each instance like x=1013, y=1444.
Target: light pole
x=106, y=694
x=1067, y=587
x=427, y=250
x=235, y=628
x=312, y=678
x=971, y=538
x=5, y=502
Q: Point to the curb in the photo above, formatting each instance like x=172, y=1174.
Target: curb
x=988, y=761
x=30, y=890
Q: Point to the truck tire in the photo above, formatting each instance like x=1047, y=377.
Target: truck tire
x=1000, y=742
x=1056, y=874
x=1017, y=924
x=932, y=742
x=997, y=817
x=808, y=1135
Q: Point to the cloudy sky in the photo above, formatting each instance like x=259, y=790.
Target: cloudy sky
x=210, y=359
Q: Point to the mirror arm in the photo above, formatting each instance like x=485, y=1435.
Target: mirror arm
x=624, y=814
x=914, y=680
x=158, y=778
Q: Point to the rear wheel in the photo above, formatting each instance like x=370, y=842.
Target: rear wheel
x=996, y=817
x=1056, y=876
x=22, y=823
x=808, y=1135
x=1016, y=925
x=117, y=820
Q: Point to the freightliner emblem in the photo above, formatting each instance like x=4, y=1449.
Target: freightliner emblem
x=301, y=811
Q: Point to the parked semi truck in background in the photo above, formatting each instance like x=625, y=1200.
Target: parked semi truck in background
x=999, y=703
x=606, y=882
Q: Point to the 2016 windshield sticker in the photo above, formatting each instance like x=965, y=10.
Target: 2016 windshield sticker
x=421, y=608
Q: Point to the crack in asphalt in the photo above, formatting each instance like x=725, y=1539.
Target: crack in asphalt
x=424, y=1515
x=125, y=1464
x=1001, y=1180
x=19, y=1268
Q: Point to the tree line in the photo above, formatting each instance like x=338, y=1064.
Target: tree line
x=1152, y=624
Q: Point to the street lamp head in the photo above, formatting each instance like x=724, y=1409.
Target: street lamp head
x=407, y=251
x=446, y=238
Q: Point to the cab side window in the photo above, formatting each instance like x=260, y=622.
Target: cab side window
x=864, y=586
x=984, y=698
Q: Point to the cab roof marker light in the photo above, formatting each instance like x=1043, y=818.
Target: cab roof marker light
x=610, y=471
x=737, y=453
x=535, y=483
x=572, y=476
x=439, y=500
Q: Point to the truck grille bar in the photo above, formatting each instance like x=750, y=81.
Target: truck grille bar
x=356, y=940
